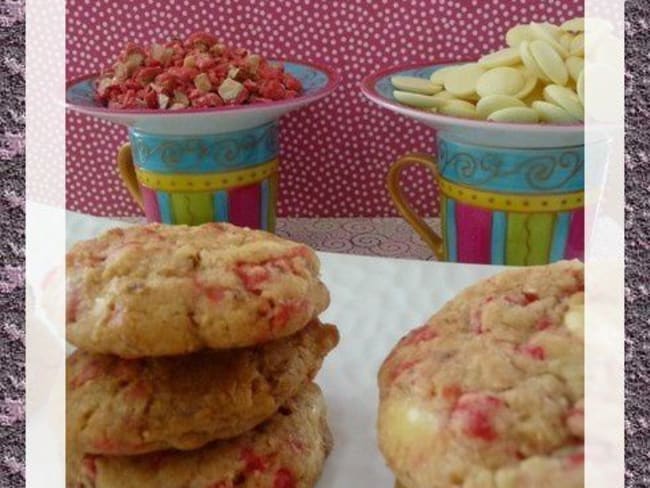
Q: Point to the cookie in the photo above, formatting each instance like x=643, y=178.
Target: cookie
x=491, y=385
x=287, y=451
x=559, y=469
x=158, y=290
x=133, y=406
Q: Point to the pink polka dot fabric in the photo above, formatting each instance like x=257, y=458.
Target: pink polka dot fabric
x=335, y=153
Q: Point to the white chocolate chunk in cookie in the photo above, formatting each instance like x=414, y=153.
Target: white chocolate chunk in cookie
x=574, y=319
x=410, y=425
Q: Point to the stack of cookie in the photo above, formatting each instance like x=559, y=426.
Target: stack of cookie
x=489, y=393
x=197, y=351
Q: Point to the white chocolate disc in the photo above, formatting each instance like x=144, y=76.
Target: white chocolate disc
x=519, y=34
x=438, y=76
x=461, y=82
x=459, y=108
x=565, y=98
x=574, y=25
x=530, y=63
x=551, y=113
x=580, y=87
x=578, y=45
x=492, y=103
x=416, y=99
x=565, y=40
x=415, y=85
x=542, y=33
x=444, y=95
x=505, y=57
x=574, y=66
x=500, y=81
x=529, y=86
x=549, y=61
x=520, y=115
x=554, y=30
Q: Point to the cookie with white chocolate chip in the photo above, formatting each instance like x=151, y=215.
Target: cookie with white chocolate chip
x=156, y=290
x=489, y=392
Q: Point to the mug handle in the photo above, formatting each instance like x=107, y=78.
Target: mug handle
x=433, y=240
x=126, y=170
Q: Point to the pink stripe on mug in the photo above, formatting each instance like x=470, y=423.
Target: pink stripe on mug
x=474, y=234
x=575, y=246
x=245, y=206
x=150, y=203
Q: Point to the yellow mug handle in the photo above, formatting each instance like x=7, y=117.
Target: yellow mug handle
x=126, y=170
x=433, y=240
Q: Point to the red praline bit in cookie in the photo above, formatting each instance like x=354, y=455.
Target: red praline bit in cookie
x=252, y=275
x=535, y=352
x=252, y=462
x=214, y=293
x=475, y=412
x=576, y=459
x=421, y=334
x=543, y=323
x=402, y=367
x=89, y=372
x=476, y=322
x=220, y=484
x=284, y=479
x=71, y=304
x=89, y=467
x=285, y=311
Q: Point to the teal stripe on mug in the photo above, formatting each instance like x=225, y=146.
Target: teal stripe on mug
x=165, y=206
x=264, y=202
x=499, y=224
x=221, y=206
x=560, y=236
x=532, y=170
x=209, y=153
x=451, y=230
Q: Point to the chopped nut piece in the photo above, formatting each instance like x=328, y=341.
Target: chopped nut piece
x=218, y=49
x=180, y=97
x=253, y=61
x=230, y=89
x=189, y=61
x=134, y=60
x=121, y=72
x=163, y=100
x=103, y=85
x=202, y=82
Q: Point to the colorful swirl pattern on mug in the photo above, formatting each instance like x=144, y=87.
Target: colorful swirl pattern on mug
x=228, y=177
x=511, y=206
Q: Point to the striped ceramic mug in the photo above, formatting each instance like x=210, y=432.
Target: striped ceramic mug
x=225, y=177
x=501, y=205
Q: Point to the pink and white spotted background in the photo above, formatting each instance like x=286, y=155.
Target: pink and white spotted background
x=335, y=154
